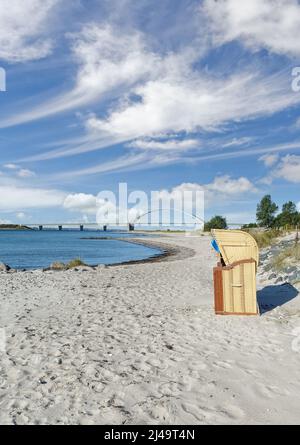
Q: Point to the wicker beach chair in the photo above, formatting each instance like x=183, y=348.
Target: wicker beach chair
x=235, y=274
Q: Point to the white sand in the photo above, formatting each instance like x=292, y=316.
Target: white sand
x=140, y=344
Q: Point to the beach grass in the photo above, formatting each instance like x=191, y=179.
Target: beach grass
x=267, y=237
x=58, y=266
x=76, y=262
x=289, y=255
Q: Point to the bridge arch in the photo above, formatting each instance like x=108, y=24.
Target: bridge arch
x=198, y=219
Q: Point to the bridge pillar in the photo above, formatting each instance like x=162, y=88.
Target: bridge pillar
x=41, y=228
x=104, y=228
x=81, y=228
x=131, y=227
x=60, y=228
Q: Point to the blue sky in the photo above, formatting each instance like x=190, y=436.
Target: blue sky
x=162, y=95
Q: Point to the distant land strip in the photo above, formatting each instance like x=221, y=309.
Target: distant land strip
x=13, y=227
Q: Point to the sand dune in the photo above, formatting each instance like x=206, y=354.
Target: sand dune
x=140, y=344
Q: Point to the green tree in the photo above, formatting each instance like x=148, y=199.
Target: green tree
x=265, y=213
x=289, y=215
x=217, y=222
x=249, y=226
x=289, y=207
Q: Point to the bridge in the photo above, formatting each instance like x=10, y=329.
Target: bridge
x=95, y=226
x=80, y=226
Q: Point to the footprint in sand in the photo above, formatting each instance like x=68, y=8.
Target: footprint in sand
x=194, y=411
x=233, y=412
x=268, y=391
x=223, y=365
x=169, y=389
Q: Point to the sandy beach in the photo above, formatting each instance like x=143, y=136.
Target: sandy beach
x=140, y=344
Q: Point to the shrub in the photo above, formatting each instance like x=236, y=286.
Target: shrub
x=217, y=222
x=250, y=226
x=58, y=266
x=75, y=263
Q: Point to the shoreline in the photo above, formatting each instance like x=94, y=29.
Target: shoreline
x=167, y=253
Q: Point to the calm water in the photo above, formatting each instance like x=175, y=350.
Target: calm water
x=34, y=249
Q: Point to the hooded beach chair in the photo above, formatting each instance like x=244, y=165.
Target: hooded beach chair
x=235, y=274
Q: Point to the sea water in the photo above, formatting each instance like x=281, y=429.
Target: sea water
x=31, y=249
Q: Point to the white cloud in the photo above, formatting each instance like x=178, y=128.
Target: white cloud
x=19, y=171
x=269, y=159
x=235, y=142
x=289, y=169
x=193, y=103
x=229, y=186
x=17, y=197
x=269, y=24
x=118, y=164
x=148, y=159
x=106, y=60
x=224, y=186
x=21, y=215
x=22, y=29
x=171, y=144
x=297, y=123
x=221, y=191
x=11, y=166
x=81, y=202
x=88, y=204
x=159, y=94
x=25, y=173
x=109, y=58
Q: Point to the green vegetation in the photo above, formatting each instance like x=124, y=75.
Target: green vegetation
x=71, y=265
x=13, y=227
x=289, y=217
x=269, y=226
x=249, y=226
x=75, y=263
x=58, y=266
x=265, y=213
x=265, y=238
x=291, y=254
x=217, y=222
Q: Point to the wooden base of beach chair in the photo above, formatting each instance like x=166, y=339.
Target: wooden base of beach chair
x=235, y=288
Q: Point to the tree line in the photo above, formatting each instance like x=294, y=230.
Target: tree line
x=267, y=216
